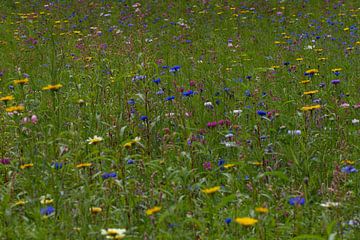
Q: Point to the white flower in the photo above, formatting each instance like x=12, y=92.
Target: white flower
x=94, y=140
x=355, y=121
x=237, y=112
x=208, y=105
x=114, y=233
x=330, y=204
x=229, y=135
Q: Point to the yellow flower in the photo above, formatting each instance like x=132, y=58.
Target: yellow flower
x=311, y=92
x=349, y=162
x=312, y=71
x=84, y=165
x=261, y=210
x=230, y=165
x=94, y=140
x=15, y=109
x=336, y=69
x=20, y=203
x=246, y=221
x=95, y=210
x=211, y=190
x=299, y=59
x=307, y=108
x=153, y=210
x=131, y=142
x=21, y=81
x=304, y=81
x=7, y=98
x=46, y=199
x=28, y=165
x=52, y=87
x=322, y=59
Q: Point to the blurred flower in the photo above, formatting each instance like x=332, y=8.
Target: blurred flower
x=34, y=119
x=132, y=142
x=246, y=221
x=228, y=220
x=261, y=210
x=335, y=81
x=261, y=113
x=207, y=165
x=48, y=211
x=20, y=203
x=229, y=165
x=310, y=108
x=295, y=201
x=84, y=165
x=143, y=118
x=5, y=161
x=311, y=92
x=45, y=200
x=355, y=121
x=94, y=140
x=294, y=132
x=330, y=204
x=21, y=81
x=52, y=87
x=109, y=175
x=311, y=72
x=349, y=169
x=7, y=98
x=95, y=210
x=114, y=233
x=153, y=210
x=28, y=165
x=15, y=109
x=211, y=190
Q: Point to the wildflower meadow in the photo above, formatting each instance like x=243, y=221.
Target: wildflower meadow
x=179, y=119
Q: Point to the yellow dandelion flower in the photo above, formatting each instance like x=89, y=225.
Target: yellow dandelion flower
x=95, y=210
x=20, y=203
x=153, y=210
x=46, y=200
x=21, y=81
x=246, y=221
x=257, y=163
x=336, y=69
x=275, y=66
x=299, y=59
x=311, y=92
x=349, y=162
x=229, y=165
x=310, y=108
x=52, y=87
x=261, y=210
x=28, y=165
x=15, y=109
x=211, y=190
x=84, y=165
x=322, y=59
x=357, y=43
x=346, y=29
x=312, y=71
x=7, y=98
x=304, y=81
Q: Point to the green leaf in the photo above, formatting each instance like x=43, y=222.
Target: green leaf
x=308, y=237
x=278, y=174
x=225, y=201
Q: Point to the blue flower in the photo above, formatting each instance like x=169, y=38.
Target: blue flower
x=170, y=98
x=228, y=220
x=109, y=175
x=131, y=102
x=157, y=81
x=261, y=113
x=47, y=210
x=188, y=93
x=221, y=162
x=297, y=201
x=130, y=161
x=349, y=169
x=143, y=118
x=175, y=68
x=57, y=165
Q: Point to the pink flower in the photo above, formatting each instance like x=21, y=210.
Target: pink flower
x=34, y=119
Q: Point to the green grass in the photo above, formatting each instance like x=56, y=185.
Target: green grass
x=99, y=59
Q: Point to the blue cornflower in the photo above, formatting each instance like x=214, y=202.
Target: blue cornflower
x=175, y=68
x=47, y=210
x=160, y=92
x=131, y=101
x=228, y=220
x=170, y=98
x=157, y=81
x=221, y=162
x=143, y=118
x=248, y=93
x=261, y=113
x=130, y=161
x=297, y=201
x=109, y=175
x=349, y=169
x=57, y=165
x=188, y=93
